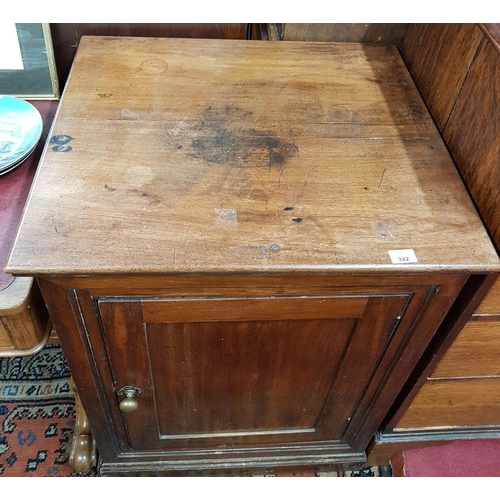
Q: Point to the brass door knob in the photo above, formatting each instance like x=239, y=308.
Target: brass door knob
x=129, y=404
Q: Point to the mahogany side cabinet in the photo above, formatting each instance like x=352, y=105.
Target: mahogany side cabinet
x=245, y=248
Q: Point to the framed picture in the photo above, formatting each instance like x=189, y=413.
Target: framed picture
x=27, y=63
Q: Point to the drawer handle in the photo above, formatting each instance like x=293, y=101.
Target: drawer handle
x=129, y=404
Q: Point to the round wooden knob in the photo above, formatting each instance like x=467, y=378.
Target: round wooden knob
x=129, y=403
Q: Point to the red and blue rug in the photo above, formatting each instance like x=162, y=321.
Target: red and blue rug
x=37, y=418
x=37, y=415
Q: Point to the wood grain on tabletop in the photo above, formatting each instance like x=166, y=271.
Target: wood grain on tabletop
x=66, y=36
x=185, y=155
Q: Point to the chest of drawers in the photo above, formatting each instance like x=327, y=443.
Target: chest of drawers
x=212, y=227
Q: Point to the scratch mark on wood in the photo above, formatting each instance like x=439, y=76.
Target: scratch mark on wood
x=386, y=231
x=54, y=223
x=381, y=178
x=303, y=186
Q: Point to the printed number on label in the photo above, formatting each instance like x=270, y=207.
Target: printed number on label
x=405, y=256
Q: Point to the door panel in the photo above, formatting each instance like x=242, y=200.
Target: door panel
x=244, y=376
x=225, y=380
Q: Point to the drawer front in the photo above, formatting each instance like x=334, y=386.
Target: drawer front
x=475, y=352
x=454, y=403
x=491, y=303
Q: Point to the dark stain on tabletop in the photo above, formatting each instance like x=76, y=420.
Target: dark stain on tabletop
x=151, y=198
x=225, y=137
x=61, y=143
x=60, y=139
x=62, y=149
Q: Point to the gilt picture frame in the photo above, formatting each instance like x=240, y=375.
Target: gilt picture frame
x=31, y=71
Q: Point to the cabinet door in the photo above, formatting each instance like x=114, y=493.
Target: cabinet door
x=238, y=372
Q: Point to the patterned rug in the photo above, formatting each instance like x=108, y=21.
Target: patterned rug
x=37, y=415
x=37, y=418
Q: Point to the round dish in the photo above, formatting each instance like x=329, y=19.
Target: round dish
x=20, y=130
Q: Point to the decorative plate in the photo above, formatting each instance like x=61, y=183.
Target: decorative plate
x=20, y=130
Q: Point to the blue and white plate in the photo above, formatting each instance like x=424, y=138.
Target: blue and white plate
x=20, y=130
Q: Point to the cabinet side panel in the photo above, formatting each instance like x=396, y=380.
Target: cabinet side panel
x=419, y=354
x=66, y=317
x=448, y=327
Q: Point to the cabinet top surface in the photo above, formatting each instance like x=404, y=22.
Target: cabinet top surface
x=182, y=155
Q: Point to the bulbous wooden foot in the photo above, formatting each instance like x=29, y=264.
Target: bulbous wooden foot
x=83, y=454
